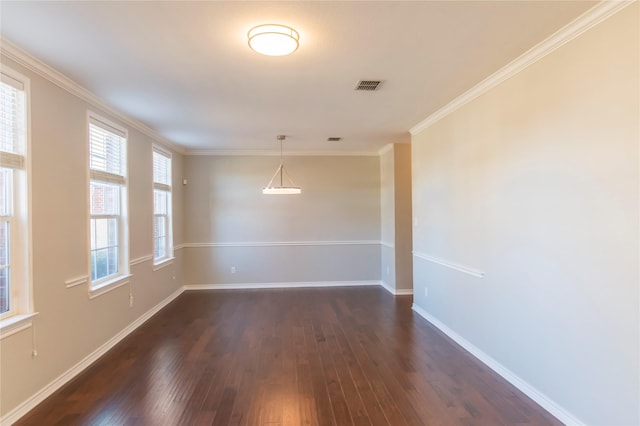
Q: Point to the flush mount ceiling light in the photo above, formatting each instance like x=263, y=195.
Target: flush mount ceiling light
x=281, y=189
x=273, y=39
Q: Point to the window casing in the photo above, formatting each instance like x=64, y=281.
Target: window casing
x=108, y=232
x=15, y=286
x=162, y=212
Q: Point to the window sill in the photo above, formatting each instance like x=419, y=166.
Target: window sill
x=163, y=263
x=106, y=287
x=15, y=324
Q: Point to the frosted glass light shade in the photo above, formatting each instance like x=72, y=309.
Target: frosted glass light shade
x=282, y=190
x=273, y=39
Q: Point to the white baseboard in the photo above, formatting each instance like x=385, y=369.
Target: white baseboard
x=302, y=284
x=543, y=400
x=22, y=409
x=396, y=291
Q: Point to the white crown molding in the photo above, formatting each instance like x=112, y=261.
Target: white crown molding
x=283, y=243
x=30, y=62
x=35, y=399
x=449, y=264
x=269, y=153
x=388, y=147
x=540, y=398
x=584, y=22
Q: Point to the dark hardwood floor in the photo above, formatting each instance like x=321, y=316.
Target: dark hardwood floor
x=347, y=356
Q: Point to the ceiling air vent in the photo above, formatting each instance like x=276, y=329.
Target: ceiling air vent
x=333, y=139
x=368, y=85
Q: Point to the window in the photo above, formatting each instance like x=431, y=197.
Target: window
x=107, y=202
x=162, y=239
x=15, y=298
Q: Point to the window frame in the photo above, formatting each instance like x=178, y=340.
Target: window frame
x=21, y=304
x=107, y=283
x=12, y=242
x=167, y=189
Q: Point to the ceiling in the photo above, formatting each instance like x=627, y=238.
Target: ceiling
x=184, y=69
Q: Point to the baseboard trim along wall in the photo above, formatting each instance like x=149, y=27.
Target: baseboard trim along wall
x=540, y=398
x=249, y=286
x=396, y=291
x=303, y=284
x=284, y=243
x=22, y=409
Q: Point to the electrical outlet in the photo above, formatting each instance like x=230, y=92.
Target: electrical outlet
x=130, y=300
x=233, y=269
x=426, y=292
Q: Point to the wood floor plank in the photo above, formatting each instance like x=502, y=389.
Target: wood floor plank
x=336, y=395
x=354, y=404
x=379, y=408
x=324, y=408
x=317, y=357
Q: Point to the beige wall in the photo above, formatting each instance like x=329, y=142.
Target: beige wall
x=232, y=224
x=396, y=261
x=536, y=183
x=387, y=218
x=70, y=326
x=402, y=216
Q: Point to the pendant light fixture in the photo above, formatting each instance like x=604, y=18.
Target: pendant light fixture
x=281, y=189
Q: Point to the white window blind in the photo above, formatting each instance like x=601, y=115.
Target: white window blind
x=12, y=123
x=161, y=170
x=106, y=152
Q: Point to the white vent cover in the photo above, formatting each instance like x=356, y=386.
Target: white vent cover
x=368, y=85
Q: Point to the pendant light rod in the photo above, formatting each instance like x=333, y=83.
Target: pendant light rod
x=281, y=139
x=281, y=189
